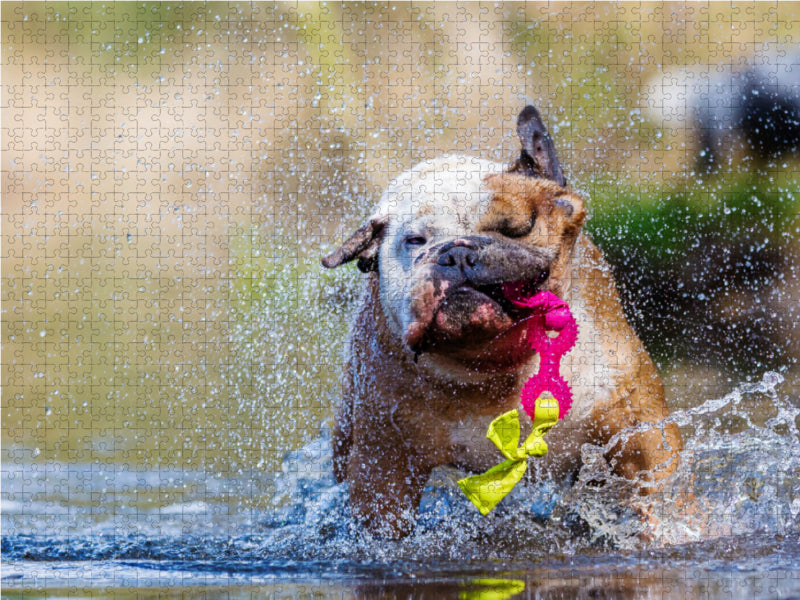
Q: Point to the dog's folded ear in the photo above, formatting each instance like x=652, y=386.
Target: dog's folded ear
x=363, y=245
x=538, y=157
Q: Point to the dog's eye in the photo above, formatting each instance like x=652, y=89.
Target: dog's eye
x=414, y=240
x=516, y=228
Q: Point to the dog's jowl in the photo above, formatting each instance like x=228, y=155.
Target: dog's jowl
x=437, y=351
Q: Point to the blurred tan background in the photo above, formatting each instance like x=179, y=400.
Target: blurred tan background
x=171, y=174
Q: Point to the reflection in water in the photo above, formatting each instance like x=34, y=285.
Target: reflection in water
x=487, y=588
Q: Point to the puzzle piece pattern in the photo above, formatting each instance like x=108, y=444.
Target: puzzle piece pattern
x=171, y=174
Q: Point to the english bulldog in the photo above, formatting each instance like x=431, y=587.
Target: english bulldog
x=437, y=351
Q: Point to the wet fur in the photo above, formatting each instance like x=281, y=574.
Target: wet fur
x=404, y=413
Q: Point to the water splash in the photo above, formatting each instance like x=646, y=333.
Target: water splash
x=737, y=476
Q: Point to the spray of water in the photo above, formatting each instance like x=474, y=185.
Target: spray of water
x=737, y=476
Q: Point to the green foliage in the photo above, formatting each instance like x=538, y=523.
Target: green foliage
x=661, y=226
x=698, y=268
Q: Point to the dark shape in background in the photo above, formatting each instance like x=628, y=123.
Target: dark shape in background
x=758, y=105
x=709, y=282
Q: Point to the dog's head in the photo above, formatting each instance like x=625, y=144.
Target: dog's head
x=450, y=234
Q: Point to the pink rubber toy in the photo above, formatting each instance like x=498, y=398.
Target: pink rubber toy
x=549, y=313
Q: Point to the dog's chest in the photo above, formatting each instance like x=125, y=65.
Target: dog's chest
x=590, y=370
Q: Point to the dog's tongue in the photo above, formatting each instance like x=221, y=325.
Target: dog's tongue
x=555, y=310
x=556, y=317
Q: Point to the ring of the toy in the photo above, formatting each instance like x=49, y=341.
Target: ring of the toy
x=549, y=313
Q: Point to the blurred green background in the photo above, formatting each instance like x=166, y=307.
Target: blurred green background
x=172, y=173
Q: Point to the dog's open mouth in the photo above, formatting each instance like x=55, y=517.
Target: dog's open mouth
x=508, y=294
x=504, y=294
x=476, y=315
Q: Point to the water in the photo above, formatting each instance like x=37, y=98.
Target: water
x=105, y=528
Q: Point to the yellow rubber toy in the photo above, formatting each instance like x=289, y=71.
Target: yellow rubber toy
x=487, y=489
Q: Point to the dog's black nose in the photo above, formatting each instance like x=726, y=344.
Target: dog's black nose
x=460, y=257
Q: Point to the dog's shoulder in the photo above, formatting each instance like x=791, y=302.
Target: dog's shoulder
x=608, y=355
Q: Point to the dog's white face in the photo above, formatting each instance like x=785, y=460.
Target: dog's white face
x=435, y=203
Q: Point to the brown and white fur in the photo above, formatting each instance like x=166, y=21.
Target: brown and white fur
x=436, y=353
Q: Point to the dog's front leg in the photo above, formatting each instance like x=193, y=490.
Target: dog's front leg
x=343, y=427
x=638, y=451
x=386, y=482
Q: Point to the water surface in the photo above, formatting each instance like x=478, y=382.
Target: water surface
x=107, y=527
